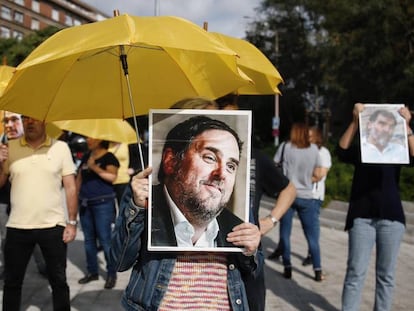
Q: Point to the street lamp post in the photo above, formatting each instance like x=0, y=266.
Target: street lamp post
x=156, y=8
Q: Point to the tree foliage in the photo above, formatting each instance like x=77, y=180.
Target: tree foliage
x=15, y=51
x=346, y=51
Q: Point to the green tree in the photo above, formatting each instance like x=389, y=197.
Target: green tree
x=349, y=51
x=15, y=51
x=282, y=34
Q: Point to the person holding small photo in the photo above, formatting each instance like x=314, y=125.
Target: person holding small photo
x=375, y=217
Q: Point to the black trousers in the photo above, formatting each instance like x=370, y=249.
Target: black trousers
x=17, y=252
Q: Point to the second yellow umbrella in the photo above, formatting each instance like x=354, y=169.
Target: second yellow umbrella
x=255, y=64
x=6, y=73
x=116, y=130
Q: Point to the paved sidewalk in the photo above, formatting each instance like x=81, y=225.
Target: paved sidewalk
x=300, y=293
x=303, y=293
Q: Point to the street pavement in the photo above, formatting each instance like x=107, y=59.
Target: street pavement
x=300, y=293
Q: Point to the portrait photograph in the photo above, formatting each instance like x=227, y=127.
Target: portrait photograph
x=200, y=180
x=383, y=134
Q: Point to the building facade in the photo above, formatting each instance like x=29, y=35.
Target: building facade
x=21, y=17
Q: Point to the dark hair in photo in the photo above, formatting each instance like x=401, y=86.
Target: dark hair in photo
x=180, y=137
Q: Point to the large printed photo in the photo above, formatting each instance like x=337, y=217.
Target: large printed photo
x=200, y=180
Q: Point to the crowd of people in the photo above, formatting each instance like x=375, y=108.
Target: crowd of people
x=189, y=212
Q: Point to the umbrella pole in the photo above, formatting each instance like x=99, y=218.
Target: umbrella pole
x=124, y=63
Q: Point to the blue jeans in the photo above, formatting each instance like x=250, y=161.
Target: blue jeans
x=387, y=236
x=308, y=212
x=96, y=221
x=18, y=250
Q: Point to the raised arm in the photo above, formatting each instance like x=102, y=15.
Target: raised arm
x=346, y=138
x=406, y=114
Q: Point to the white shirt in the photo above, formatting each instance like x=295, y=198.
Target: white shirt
x=392, y=153
x=318, y=190
x=184, y=231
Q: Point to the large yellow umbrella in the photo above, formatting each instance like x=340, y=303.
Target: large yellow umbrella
x=255, y=64
x=115, y=130
x=121, y=67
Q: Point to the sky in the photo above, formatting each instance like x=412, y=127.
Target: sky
x=229, y=17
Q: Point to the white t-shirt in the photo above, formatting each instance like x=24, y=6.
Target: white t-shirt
x=319, y=187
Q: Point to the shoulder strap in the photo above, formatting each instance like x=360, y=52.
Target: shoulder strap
x=283, y=152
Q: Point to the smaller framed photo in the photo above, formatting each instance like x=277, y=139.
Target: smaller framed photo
x=383, y=134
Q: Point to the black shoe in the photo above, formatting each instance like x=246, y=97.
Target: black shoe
x=88, y=278
x=276, y=254
x=287, y=273
x=307, y=261
x=110, y=282
x=319, y=277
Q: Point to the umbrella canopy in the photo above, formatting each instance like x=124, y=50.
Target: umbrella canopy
x=6, y=73
x=255, y=64
x=115, y=130
x=77, y=73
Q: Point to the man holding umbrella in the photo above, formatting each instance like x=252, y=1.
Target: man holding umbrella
x=37, y=167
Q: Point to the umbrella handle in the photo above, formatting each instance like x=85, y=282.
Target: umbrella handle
x=124, y=62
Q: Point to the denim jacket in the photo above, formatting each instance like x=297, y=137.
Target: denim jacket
x=152, y=270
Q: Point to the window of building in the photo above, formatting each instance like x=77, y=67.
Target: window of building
x=35, y=6
x=68, y=20
x=18, y=35
x=35, y=24
x=5, y=12
x=19, y=2
x=55, y=15
x=4, y=32
x=18, y=17
x=76, y=22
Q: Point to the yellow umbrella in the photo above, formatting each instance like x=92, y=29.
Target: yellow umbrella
x=6, y=73
x=255, y=64
x=78, y=73
x=115, y=130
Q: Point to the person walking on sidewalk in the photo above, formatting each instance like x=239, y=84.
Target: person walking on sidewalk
x=318, y=191
x=301, y=164
x=375, y=217
x=37, y=167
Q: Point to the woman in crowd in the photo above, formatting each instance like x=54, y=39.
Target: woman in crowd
x=315, y=137
x=98, y=170
x=301, y=164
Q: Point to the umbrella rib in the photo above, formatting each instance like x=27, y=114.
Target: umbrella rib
x=109, y=51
